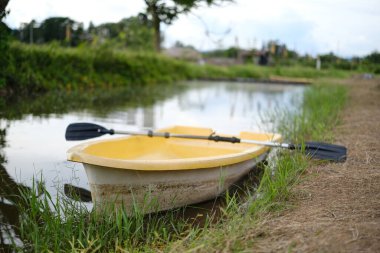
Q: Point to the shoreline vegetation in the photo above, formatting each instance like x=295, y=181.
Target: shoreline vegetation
x=58, y=224
x=42, y=68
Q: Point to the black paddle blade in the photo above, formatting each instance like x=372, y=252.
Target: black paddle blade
x=84, y=131
x=325, y=151
x=77, y=193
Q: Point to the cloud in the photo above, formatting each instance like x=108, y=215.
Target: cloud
x=348, y=27
x=82, y=10
x=293, y=30
x=247, y=28
x=320, y=26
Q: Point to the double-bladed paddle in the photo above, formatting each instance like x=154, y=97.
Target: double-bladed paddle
x=318, y=150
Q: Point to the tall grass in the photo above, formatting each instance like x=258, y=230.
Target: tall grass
x=59, y=224
x=318, y=116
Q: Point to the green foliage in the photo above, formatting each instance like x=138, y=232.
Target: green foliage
x=371, y=63
x=3, y=11
x=231, y=52
x=373, y=58
x=61, y=29
x=4, y=47
x=4, y=53
x=55, y=28
x=135, y=33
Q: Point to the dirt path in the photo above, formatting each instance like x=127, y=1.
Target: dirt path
x=337, y=206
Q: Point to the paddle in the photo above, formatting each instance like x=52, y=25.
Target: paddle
x=77, y=193
x=318, y=150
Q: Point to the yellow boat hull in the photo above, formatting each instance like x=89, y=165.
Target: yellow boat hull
x=154, y=174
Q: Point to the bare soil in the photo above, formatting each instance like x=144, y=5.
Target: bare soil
x=336, y=207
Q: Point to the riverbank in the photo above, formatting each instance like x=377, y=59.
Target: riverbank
x=33, y=68
x=336, y=207
x=44, y=229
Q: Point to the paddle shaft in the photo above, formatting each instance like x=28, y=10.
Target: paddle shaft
x=319, y=150
x=200, y=137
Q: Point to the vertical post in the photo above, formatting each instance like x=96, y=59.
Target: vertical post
x=31, y=32
x=68, y=32
x=318, y=63
x=156, y=26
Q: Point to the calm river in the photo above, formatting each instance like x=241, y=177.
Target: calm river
x=33, y=143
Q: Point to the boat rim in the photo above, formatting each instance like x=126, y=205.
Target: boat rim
x=77, y=154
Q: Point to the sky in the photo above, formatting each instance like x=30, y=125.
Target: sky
x=345, y=27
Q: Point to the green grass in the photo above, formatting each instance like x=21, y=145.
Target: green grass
x=59, y=224
x=41, y=68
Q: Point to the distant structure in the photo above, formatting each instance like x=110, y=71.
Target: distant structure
x=271, y=51
x=184, y=53
x=318, y=63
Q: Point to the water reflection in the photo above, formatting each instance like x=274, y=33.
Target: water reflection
x=9, y=198
x=98, y=102
x=35, y=127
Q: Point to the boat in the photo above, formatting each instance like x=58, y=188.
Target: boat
x=150, y=174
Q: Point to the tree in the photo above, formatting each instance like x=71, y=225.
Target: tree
x=62, y=29
x=4, y=37
x=160, y=11
x=55, y=28
x=135, y=33
x=3, y=5
x=138, y=33
x=373, y=58
x=372, y=62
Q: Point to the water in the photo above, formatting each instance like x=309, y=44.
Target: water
x=34, y=144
